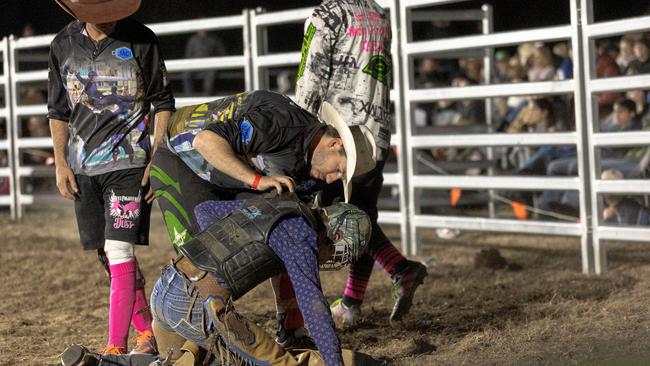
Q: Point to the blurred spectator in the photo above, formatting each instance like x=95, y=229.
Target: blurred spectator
x=445, y=114
x=639, y=97
x=524, y=52
x=500, y=114
x=564, y=52
x=472, y=68
x=641, y=65
x=625, y=117
x=37, y=126
x=286, y=82
x=501, y=65
x=625, y=53
x=28, y=30
x=202, y=45
x=622, y=210
x=430, y=74
x=468, y=111
x=32, y=95
x=541, y=65
x=606, y=67
x=538, y=116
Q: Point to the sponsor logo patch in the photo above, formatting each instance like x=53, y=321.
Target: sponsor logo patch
x=251, y=212
x=123, y=53
x=246, y=129
x=378, y=68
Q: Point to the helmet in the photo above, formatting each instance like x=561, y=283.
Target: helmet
x=349, y=230
x=92, y=73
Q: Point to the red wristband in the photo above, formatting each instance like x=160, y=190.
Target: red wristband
x=256, y=181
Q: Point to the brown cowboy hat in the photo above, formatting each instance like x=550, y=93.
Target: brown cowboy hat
x=99, y=11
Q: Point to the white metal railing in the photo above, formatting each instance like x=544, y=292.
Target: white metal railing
x=6, y=172
x=14, y=78
x=256, y=60
x=412, y=96
x=596, y=140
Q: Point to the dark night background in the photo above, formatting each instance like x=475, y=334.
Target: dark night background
x=46, y=16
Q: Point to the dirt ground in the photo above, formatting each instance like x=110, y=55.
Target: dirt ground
x=546, y=313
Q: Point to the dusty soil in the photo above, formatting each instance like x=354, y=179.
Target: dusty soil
x=544, y=313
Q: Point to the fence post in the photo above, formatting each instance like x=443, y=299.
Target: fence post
x=400, y=123
x=584, y=128
x=13, y=122
x=9, y=124
x=248, y=56
x=410, y=240
x=488, y=65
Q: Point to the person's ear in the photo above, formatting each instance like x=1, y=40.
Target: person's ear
x=337, y=236
x=335, y=143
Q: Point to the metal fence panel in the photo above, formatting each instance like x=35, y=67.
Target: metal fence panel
x=582, y=32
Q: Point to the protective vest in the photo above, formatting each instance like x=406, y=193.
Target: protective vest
x=236, y=247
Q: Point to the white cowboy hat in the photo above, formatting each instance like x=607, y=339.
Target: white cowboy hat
x=99, y=11
x=359, y=145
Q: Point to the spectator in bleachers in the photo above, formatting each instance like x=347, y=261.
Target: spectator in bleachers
x=37, y=126
x=430, y=74
x=501, y=65
x=606, y=67
x=624, y=119
x=625, y=52
x=202, y=45
x=641, y=65
x=28, y=30
x=468, y=111
x=524, y=53
x=540, y=116
x=564, y=52
x=622, y=210
x=472, y=68
x=541, y=62
x=640, y=99
x=286, y=82
x=500, y=114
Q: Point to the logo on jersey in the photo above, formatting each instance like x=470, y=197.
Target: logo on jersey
x=246, y=129
x=123, y=53
x=251, y=212
x=378, y=67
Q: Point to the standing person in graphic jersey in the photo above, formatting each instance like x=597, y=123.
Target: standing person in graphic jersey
x=346, y=61
x=102, y=148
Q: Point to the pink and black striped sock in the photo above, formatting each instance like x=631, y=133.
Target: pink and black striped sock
x=388, y=258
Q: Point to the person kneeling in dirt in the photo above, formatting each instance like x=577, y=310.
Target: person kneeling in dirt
x=242, y=244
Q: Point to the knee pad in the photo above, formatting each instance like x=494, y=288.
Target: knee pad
x=118, y=251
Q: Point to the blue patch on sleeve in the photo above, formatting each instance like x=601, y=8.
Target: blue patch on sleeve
x=246, y=129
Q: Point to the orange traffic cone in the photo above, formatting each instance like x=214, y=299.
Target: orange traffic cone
x=454, y=196
x=520, y=210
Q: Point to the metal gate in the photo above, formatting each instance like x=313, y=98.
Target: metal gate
x=256, y=60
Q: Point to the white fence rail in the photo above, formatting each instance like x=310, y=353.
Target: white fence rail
x=256, y=60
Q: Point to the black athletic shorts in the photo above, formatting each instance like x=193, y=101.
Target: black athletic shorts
x=112, y=206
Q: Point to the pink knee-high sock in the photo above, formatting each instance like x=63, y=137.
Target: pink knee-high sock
x=122, y=300
x=141, y=318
